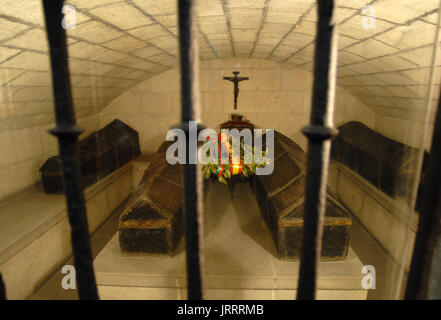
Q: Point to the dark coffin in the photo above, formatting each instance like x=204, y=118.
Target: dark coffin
x=101, y=153
x=384, y=162
x=290, y=222
x=152, y=221
x=52, y=175
x=98, y=156
x=281, y=197
x=124, y=138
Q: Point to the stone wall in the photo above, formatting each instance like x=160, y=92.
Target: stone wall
x=276, y=96
x=25, y=149
x=389, y=221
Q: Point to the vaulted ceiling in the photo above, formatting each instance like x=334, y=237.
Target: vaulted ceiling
x=117, y=44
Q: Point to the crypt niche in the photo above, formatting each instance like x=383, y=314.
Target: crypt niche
x=152, y=221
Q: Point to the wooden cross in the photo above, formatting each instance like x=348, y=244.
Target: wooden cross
x=236, y=79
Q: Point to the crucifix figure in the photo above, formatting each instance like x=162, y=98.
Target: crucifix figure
x=236, y=79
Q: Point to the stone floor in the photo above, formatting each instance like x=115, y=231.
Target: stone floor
x=362, y=243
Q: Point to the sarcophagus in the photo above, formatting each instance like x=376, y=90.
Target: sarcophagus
x=387, y=164
x=98, y=156
x=52, y=175
x=101, y=153
x=281, y=197
x=152, y=221
x=123, y=138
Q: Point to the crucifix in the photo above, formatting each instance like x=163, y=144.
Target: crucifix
x=236, y=79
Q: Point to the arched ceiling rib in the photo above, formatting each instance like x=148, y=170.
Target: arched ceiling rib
x=117, y=44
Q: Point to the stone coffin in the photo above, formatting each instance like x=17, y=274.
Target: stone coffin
x=101, y=153
x=98, y=157
x=123, y=138
x=152, y=221
x=387, y=164
x=281, y=197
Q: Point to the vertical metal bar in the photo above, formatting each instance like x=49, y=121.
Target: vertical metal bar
x=411, y=288
x=67, y=133
x=424, y=280
x=2, y=289
x=319, y=134
x=190, y=110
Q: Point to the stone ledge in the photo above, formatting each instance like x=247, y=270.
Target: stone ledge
x=35, y=233
x=398, y=207
x=23, y=219
x=142, y=293
x=385, y=218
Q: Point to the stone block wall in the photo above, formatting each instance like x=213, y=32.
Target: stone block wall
x=276, y=96
x=25, y=149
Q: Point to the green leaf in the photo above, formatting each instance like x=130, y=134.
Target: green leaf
x=222, y=180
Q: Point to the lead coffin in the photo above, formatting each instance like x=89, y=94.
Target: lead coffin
x=100, y=154
x=281, y=197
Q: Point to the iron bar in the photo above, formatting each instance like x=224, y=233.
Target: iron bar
x=67, y=133
x=424, y=280
x=2, y=289
x=193, y=197
x=319, y=134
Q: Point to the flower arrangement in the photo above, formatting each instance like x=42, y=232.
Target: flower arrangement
x=224, y=171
